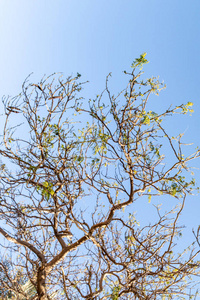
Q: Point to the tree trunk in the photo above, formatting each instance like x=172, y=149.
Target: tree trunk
x=41, y=283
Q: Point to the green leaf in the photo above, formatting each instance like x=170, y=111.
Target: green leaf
x=139, y=62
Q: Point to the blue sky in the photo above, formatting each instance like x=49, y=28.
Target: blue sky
x=97, y=37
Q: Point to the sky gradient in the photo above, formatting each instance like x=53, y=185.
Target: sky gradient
x=95, y=38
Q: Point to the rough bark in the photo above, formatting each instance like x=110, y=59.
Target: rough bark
x=41, y=283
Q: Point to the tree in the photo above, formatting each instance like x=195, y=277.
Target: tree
x=72, y=173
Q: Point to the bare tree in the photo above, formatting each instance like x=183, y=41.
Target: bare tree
x=72, y=172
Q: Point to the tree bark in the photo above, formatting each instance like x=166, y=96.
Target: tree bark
x=41, y=283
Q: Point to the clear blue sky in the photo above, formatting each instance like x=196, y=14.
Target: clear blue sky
x=95, y=37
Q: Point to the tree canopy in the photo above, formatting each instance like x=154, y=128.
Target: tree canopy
x=72, y=171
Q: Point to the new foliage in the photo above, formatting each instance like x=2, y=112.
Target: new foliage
x=72, y=171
